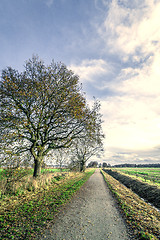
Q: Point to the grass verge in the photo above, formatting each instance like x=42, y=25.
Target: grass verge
x=141, y=217
x=26, y=216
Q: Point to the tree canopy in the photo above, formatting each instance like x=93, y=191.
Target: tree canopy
x=41, y=109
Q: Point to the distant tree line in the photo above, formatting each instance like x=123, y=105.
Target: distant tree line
x=105, y=165
x=151, y=165
x=96, y=164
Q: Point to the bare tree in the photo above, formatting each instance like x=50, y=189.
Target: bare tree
x=91, y=144
x=93, y=164
x=61, y=157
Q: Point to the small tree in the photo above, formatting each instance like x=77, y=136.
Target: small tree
x=93, y=164
x=91, y=144
x=84, y=150
x=61, y=156
x=42, y=109
x=104, y=165
x=100, y=165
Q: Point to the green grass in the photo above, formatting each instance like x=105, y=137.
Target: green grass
x=26, y=217
x=150, y=175
x=44, y=170
x=53, y=170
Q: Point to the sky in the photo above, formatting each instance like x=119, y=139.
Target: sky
x=114, y=47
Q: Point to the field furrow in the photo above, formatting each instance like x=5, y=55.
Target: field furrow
x=150, y=193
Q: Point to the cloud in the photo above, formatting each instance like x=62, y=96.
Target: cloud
x=141, y=157
x=132, y=117
x=140, y=83
x=49, y=2
x=132, y=30
x=91, y=69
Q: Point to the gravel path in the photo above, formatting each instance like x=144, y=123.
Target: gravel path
x=92, y=214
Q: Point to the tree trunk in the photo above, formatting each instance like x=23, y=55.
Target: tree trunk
x=82, y=166
x=37, y=168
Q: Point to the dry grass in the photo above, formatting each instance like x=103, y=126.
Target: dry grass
x=26, y=183
x=17, y=182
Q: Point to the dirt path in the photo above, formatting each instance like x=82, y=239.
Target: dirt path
x=92, y=214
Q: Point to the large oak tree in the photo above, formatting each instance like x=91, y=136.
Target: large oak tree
x=41, y=109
